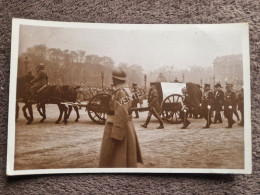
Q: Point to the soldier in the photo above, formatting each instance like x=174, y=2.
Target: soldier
x=120, y=147
x=235, y=105
x=207, y=102
x=218, y=103
x=186, y=106
x=229, y=105
x=40, y=80
x=137, y=98
x=154, y=107
x=240, y=101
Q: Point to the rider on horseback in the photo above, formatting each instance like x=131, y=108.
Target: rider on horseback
x=40, y=80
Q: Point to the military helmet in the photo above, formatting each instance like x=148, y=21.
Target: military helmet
x=218, y=85
x=41, y=66
x=119, y=73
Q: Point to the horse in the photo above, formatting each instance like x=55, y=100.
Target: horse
x=23, y=95
x=70, y=95
x=51, y=94
x=66, y=93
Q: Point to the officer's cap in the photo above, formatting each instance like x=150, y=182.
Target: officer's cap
x=206, y=85
x=119, y=73
x=134, y=84
x=218, y=85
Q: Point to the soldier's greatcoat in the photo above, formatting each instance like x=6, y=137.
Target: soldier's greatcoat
x=40, y=80
x=207, y=100
x=229, y=105
x=120, y=147
x=219, y=100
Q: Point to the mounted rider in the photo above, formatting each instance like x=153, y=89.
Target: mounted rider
x=41, y=79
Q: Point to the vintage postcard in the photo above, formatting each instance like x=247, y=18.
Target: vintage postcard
x=129, y=98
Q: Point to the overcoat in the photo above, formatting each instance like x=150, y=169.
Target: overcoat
x=240, y=101
x=207, y=100
x=120, y=147
x=229, y=100
x=40, y=80
x=219, y=100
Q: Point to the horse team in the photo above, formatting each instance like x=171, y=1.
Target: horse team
x=51, y=94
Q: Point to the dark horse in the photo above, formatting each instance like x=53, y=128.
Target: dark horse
x=23, y=95
x=65, y=93
x=51, y=94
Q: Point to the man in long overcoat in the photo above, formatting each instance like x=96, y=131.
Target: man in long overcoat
x=186, y=106
x=229, y=105
x=207, y=103
x=120, y=147
x=218, y=103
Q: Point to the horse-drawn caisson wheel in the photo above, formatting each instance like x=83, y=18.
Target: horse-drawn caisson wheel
x=171, y=109
x=98, y=107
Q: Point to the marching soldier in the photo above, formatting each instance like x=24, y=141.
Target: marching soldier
x=120, y=147
x=218, y=103
x=235, y=105
x=40, y=80
x=229, y=105
x=154, y=107
x=186, y=107
x=137, y=98
x=207, y=103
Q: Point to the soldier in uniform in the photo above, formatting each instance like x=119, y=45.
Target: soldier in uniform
x=218, y=103
x=40, y=80
x=186, y=106
x=120, y=147
x=240, y=101
x=229, y=105
x=235, y=105
x=154, y=107
x=137, y=98
x=207, y=103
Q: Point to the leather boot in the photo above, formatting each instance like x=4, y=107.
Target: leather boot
x=146, y=122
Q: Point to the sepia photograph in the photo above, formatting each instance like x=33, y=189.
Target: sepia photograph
x=140, y=98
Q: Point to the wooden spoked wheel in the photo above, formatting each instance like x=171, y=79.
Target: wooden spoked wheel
x=98, y=107
x=172, y=108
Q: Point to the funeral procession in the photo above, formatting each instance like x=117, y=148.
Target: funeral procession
x=103, y=115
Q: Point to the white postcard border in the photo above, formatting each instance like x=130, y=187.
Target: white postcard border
x=12, y=98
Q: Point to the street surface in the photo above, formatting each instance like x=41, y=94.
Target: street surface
x=77, y=145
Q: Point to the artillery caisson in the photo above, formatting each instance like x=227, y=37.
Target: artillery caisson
x=97, y=107
x=171, y=100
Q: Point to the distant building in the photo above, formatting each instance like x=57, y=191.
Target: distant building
x=229, y=69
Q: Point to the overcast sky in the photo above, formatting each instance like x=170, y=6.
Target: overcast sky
x=147, y=48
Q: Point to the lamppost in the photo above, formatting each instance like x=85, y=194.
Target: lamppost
x=145, y=78
x=102, y=78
